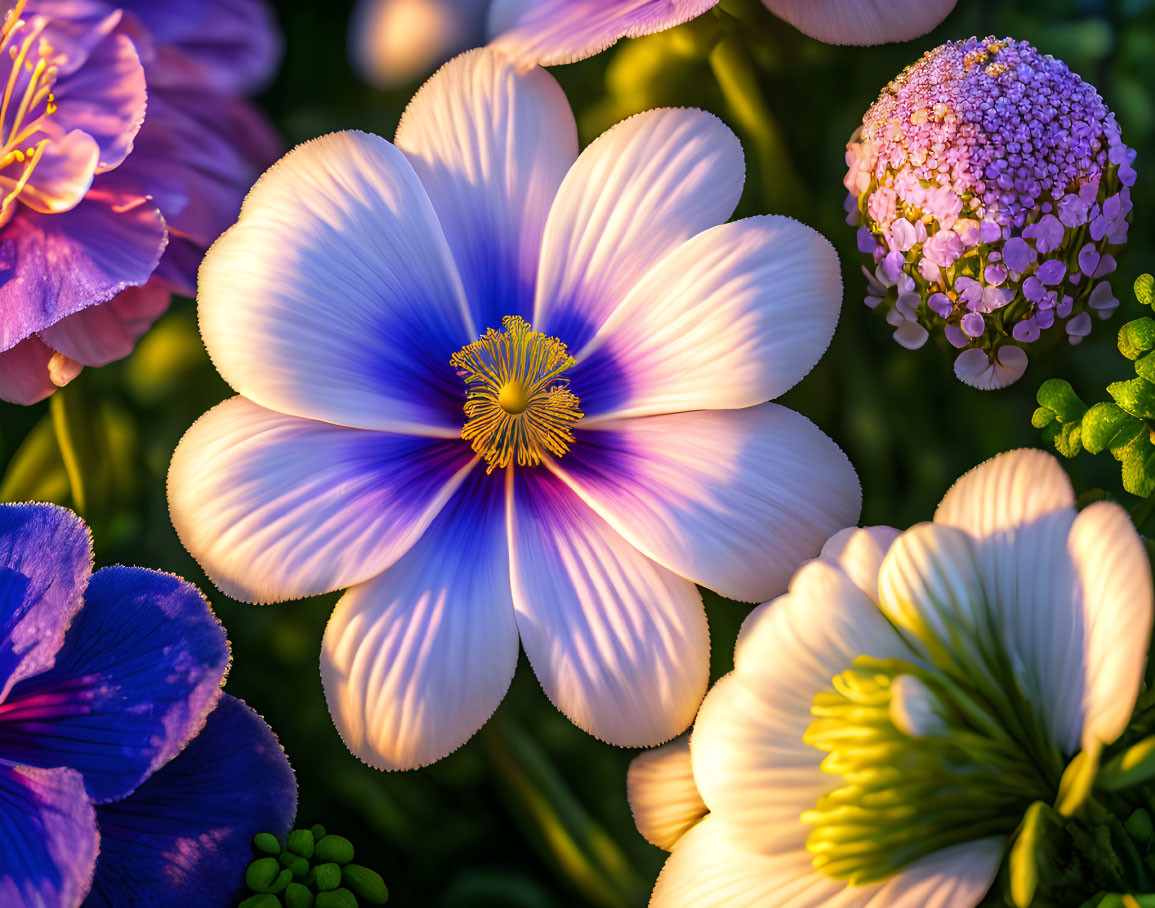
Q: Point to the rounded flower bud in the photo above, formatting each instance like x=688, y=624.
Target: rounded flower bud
x=991, y=188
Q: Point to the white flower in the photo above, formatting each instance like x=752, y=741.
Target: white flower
x=891, y=716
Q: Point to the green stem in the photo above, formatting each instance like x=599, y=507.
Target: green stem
x=68, y=452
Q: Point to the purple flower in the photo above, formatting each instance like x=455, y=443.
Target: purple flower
x=501, y=391
x=144, y=152
x=392, y=42
x=125, y=776
x=1037, y=157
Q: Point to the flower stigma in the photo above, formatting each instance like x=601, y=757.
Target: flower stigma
x=517, y=404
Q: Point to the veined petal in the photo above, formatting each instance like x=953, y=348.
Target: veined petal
x=663, y=797
x=45, y=564
x=416, y=660
x=750, y=762
x=550, y=32
x=182, y=838
x=47, y=835
x=392, y=42
x=275, y=507
x=619, y=643
x=856, y=22
x=733, y=499
x=1005, y=492
x=491, y=146
x=639, y=190
x=710, y=868
x=733, y=317
x=335, y=296
x=1113, y=583
x=859, y=551
x=140, y=668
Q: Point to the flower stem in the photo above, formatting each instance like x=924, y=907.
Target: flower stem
x=68, y=453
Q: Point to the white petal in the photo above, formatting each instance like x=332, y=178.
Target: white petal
x=859, y=552
x=619, y=643
x=750, y=762
x=335, y=296
x=663, y=797
x=1114, y=578
x=639, y=190
x=976, y=368
x=562, y=31
x=862, y=21
x=733, y=499
x=710, y=868
x=735, y=316
x=275, y=507
x=392, y=42
x=416, y=660
x=491, y=147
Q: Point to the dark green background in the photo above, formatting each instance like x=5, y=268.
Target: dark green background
x=532, y=812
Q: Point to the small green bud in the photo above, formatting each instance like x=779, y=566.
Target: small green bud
x=365, y=883
x=283, y=879
x=298, y=867
x=264, y=900
x=327, y=876
x=1140, y=828
x=301, y=842
x=261, y=874
x=318, y=832
x=337, y=898
x=335, y=848
x=266, y=842
x=1145, y=289
x=1042, y=417
x=298, y=896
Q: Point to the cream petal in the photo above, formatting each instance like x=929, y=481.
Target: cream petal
x=862, y=21
x=619, y=643
x=663, y=797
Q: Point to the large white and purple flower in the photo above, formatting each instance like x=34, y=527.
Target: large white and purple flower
x=127, y=148
x=394, y=41
x=126, y=776
x=403, y=431
x=892, y=717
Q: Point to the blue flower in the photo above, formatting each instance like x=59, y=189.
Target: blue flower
x=125, y=775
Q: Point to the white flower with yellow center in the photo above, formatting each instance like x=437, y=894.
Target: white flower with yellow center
x=890, y=718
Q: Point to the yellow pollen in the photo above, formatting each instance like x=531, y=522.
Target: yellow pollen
x=518, y=406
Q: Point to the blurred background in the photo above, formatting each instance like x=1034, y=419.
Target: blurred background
x=532, y=812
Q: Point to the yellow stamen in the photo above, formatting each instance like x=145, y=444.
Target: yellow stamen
x=517, y=404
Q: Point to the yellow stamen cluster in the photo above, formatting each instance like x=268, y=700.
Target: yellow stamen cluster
x=517, y=404
x=22, y=112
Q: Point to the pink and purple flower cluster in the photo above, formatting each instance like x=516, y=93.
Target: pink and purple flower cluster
x=126, y=147
x=991, y=186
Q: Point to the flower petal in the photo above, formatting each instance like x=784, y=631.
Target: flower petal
x=182, y=838
x=663, y=797
x=859, y=551
x=980, y=369
x=750, y=762
x=103, y=334
x=47, y=835
x=733, y=317
x=550, y=32
x=392, y=42
x=733, y=499
x=639, y=190
x=1113, y=576
x=856, y=22
x=491, y=146
x=710, y=868
x=335, y=296
x=24, y=372
x=140, y=668
x=416, y=660
x=45, y=564
x=619, y=643
x=275, y=507
x=56, y=264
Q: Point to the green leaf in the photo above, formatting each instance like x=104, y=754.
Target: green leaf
x=1042, y=417
x=1058, y=396
x=1138, y=459
x=1068, y=441
x=1145, y=289
x=1134, y=766
x=1145, y=366
x=1137, y=337
x=1136, y=396
x=1107, y=426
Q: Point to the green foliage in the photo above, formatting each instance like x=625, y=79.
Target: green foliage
x=289, y=877
x=1124, y=427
